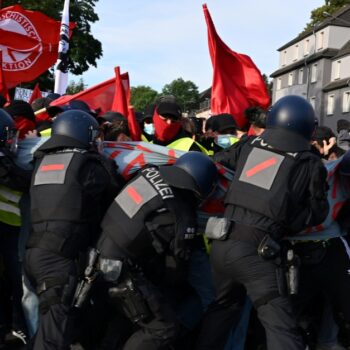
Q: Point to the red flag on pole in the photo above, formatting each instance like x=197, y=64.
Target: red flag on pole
x=134, y=127
x=35, y=94
x=99, y=97
x=120, y=101
x=121, y=104
x=3, y=88
x=29, y=41
x=237, y=82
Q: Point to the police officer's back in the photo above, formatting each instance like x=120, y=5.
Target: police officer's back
x=279, y=187
x=72, y=185
x=154, y=215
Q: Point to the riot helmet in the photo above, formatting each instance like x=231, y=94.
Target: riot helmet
x=7, y=131
x=78, y=125
x=193, y=171
x=292, y=113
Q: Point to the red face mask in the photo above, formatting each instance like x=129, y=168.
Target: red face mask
x=163, y=131
x=23, y=125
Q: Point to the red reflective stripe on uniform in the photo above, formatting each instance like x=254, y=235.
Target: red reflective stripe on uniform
x=261, y=166
x=52, y=167
x=134, y=195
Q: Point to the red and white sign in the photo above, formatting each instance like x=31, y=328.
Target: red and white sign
x=29, y=43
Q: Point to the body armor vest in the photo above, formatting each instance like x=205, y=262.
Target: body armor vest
x=125, y=220
x=61, y=209
x=261, y=181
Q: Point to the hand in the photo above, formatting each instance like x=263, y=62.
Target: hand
x=31, y=134
x=327, y=146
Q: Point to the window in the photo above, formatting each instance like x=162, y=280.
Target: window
x=290, y=79
x=330, y=105
x=279, y=84
x=301, y=76
x=284, y=58
x=337, y=70
x=320, y=39
x=306, y=47
x=313, y=101
x=314, y=73
x=296, y=53
x=346, y=102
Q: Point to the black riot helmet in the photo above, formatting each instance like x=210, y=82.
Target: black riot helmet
x=193, y=171
x=293, y=113
x=76, y=124
x=7, y=128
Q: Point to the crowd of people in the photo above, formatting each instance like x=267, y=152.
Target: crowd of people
x=90, y=259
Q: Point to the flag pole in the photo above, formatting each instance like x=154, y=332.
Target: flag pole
x=61, y=75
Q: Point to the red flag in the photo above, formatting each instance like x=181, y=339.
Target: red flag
x=29, y=40
x=121, y=94
x=237, y=82
x=121, y=104
x=98, y=97
x=134, y=127
x=3, y=88
x=35, y=94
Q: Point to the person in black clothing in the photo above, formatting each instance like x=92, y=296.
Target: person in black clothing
x=71, y=188
x=147, y=232
x=13, y=182
x=279, y=188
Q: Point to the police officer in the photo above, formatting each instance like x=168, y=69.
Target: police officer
x=279, y=187
x=151, y=220
x=71, y=188
x=13, y=182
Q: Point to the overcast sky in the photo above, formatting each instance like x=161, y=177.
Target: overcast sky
x=157, y=41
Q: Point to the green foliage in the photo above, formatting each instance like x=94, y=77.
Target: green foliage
x=330, y=7
x=84, y=48
x=142, y=96
x=75, y=87
x=268, y=84
x=186, y=93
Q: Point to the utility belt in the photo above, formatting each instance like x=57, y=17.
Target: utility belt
x=311, y=252
x=67, y=247
x=55, y=290
x=287, y=264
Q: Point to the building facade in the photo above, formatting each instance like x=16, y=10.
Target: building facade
x=316, y=65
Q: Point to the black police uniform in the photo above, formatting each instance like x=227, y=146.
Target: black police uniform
x=70, y=191
x=274, y=191
x=146, y=222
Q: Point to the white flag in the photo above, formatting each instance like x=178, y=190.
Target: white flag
x=61, y=75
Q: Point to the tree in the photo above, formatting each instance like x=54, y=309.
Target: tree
x=84, y=49
x=75, y=87
x=142, y=96
x=330, y=6
x=186, y=93
x=268, y=85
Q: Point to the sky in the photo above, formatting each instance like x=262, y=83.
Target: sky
x=157, y=41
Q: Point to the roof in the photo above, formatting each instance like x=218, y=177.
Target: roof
x=337, y=84
x=345, y=50
x=205, y=94
x=338, y=18
x=326, y=53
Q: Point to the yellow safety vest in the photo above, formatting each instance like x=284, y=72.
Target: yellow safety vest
x=9, y=206
x=46, y=132
x=185, y=143
x=144, y=138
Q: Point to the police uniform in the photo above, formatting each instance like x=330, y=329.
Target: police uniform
x=71, y=188
x=13, y=182
x=274, y=191
x=147, y=219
